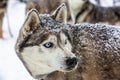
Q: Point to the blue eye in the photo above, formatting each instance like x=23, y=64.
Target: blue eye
x=48, y=45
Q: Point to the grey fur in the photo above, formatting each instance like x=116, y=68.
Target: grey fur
x=97, y=46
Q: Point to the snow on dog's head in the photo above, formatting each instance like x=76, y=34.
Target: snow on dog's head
x=43, y=50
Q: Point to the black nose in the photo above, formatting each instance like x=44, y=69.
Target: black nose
x=71, y=62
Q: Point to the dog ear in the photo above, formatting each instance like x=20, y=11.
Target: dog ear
x=32, y=21
x=60, y=14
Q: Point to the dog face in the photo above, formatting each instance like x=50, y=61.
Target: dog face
x=43, y=50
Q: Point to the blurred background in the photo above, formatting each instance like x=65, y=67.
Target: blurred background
x=12, y=16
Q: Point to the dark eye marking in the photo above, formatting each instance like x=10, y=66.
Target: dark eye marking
x=48, y=45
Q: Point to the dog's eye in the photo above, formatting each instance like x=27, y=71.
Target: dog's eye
x=48, y=45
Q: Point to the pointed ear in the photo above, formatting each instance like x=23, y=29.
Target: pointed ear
x=32, y=21
x=60, y=14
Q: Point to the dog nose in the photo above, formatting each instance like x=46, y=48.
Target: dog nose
x=71, y=62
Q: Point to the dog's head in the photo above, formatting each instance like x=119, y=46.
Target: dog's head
x=43, y=49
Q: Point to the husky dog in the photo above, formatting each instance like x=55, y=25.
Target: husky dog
x=3, y=5
x=46, y=6
x=47, y=47
x=43, y=6
x=84, y=11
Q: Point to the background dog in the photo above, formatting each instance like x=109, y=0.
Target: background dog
x=46, y=45
x=46, y=6
x=3, y=5
x=43, y=6
x=83, y=11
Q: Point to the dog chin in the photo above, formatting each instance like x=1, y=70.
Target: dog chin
x=68, y=70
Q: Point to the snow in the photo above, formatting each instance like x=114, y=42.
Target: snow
x=11, y=68
x=104, y=3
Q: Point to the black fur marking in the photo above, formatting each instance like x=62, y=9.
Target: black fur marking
x=81, y=12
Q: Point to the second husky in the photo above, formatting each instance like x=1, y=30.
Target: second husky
x=84, y=11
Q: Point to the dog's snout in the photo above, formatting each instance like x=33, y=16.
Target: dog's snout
x=71, y=62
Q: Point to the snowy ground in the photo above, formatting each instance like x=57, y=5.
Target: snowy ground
x=11, y=67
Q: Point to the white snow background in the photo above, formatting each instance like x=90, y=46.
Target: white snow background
x=11, y=67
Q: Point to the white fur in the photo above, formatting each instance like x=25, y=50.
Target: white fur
x=63, y=38
x=75, y=7
x=41, y=60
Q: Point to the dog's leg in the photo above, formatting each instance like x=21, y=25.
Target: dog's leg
x=3, y=5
